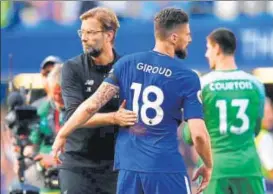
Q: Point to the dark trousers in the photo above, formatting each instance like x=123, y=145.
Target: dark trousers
x=87, y=181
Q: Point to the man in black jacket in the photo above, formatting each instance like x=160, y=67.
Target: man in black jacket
x=86, y=165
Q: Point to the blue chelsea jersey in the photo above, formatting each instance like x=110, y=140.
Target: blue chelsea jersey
x=156, y=87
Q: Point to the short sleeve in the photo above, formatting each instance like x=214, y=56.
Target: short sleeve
x=192, y=103
x=114, y=76
x=72, y=88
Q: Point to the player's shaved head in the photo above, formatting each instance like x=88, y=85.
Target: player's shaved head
x=225, y=39
x=167, y=20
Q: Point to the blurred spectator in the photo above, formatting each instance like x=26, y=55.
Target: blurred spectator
x=51, y=119
x=46, y=66
x=44, y=8
x=86, y=5
x=201, y=7
x=150, y=8
x=41, y=136
x=32, y=13
x=119, y=7
x=226, y=10
x=131, y=9
x=229, y=10
x=54, y=87
x=51, y=115
x=62, y=12
x=69, y=13
x=252, y=8
x=10, y=12
x=269, y=7
x=6, y=7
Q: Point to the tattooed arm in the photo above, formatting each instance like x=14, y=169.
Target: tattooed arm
x=88, y=108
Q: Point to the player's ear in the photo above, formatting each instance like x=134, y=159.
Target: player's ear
x=110, y=35
x=174, y=38
x=217, y=49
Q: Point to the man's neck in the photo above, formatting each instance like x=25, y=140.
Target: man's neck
x=106, y=57
x=164, y=48
x=226, y=63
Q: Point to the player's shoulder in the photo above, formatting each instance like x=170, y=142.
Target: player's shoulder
x=247, y=76
x=259, y=85
x=191, y=73
x=184, y=71
x=210, y=77
x=132, y=58
x=75, y=61
x=252, y=78
x=215, y=76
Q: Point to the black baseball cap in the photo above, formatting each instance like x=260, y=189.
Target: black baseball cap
x=50, y=60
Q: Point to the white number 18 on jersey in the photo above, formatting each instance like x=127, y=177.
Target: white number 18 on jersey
x=147, y=104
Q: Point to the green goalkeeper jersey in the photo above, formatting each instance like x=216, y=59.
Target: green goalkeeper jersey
x=233, y=102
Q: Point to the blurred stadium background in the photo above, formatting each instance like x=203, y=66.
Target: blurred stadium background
x=33, y=30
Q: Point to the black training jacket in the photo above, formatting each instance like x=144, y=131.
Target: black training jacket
x=87, y=147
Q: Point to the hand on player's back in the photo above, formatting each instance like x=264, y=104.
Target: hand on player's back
x=205, y=172
x=125, y=117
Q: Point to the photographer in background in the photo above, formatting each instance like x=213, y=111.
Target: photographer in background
x=19, y=120
x=51, y=119
x=50, y=115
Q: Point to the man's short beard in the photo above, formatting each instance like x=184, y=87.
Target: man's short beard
x=181, y=53
x=94, y=52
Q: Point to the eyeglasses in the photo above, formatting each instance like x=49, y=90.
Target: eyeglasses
x=88, y=33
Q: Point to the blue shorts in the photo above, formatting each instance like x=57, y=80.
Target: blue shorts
x=132, y=182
